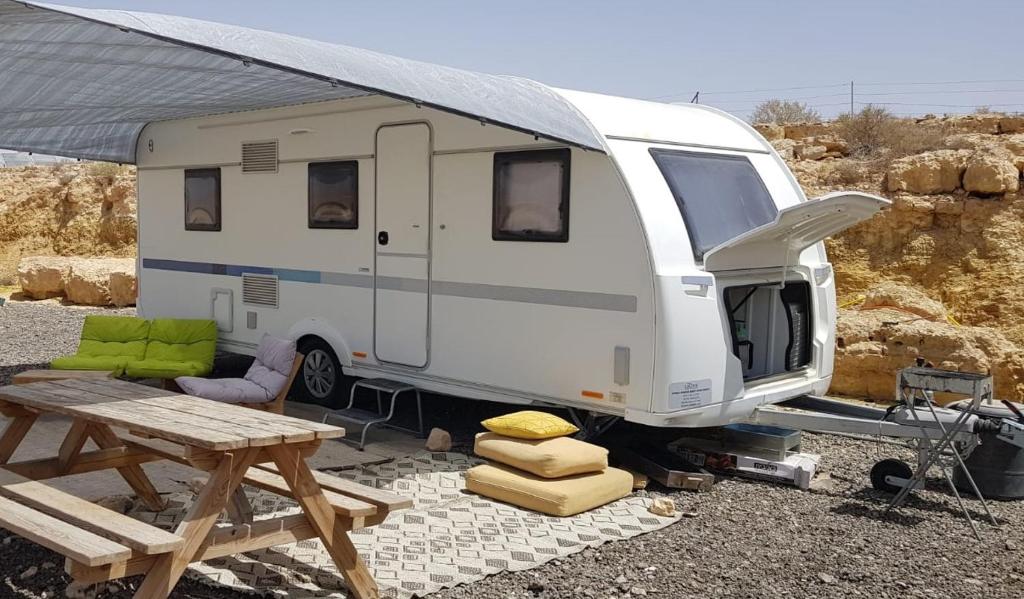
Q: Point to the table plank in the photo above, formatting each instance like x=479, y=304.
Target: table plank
x=230, y=412
x=78, y=544
x=232, y=418
x=99, y=520
x=126, y=414
x=167, y=406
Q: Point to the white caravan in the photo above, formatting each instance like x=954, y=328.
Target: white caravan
x=658, y=262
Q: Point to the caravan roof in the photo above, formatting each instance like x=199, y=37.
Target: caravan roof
x=84, y=82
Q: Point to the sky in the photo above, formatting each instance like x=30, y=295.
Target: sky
x=913, y=56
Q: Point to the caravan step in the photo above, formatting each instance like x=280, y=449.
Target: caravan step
x=369, y=418
x=358, y=416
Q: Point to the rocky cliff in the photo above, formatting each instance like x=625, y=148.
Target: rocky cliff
x=946, y=259
x=79, y=209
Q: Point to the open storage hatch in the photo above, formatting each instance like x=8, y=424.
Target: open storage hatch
x=794, y=229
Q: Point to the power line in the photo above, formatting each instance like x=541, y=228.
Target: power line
x=746, y=91
x=945, y=82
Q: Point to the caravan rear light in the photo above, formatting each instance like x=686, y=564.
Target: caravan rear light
x=359, y=354
x=822, y=274
x=592, y=394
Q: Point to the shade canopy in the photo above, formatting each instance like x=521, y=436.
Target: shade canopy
x=84, y=82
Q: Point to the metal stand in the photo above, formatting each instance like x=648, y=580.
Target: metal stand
x=369, y=418
x=915, y=386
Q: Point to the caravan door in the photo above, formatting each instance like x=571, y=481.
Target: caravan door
x=401, y=283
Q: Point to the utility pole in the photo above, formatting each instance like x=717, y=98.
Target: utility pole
x=695, y=99
x=851, y=98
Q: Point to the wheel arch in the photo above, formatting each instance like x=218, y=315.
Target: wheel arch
x=321, y=328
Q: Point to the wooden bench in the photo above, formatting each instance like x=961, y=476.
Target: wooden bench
x=87, y=534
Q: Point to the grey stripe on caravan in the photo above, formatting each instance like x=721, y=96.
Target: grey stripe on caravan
x=528, y=295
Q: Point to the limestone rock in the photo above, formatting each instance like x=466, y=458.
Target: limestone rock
x=991, y=172
x=832, y=144
x=43, y=277
x=771, y=131
x=663, y=506
x=89, y=280
x=872, y=346
x=798, y=131
x=811, y=152
x=907, y=299
x=439, y=440
x=931, y=172
x=785, y=148
x=123, y=287
x=1011, y=124
x=975, y=123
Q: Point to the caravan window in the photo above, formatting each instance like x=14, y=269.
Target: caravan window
x=720, y=196
x=334, y=195
x=202, y=199
x=531, y=196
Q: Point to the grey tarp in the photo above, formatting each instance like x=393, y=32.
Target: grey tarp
x=83, y=82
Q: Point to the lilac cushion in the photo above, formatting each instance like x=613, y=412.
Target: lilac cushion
x=265, y=379
x=226, y=390
x=273, y=364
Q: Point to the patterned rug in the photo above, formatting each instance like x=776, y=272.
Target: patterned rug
x=448, y=538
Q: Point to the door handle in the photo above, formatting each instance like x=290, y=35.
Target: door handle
x=382, y=238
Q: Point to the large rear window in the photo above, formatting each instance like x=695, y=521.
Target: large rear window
x=719, y=196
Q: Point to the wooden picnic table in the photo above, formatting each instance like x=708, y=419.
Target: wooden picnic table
x=233, y=444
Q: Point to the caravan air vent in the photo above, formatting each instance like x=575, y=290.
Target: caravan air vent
x=260, y=290
x=259, y=156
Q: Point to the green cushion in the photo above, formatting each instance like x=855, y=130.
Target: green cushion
x=115, y=364
x=177, y=347
x=107, y=343
x=166, y=369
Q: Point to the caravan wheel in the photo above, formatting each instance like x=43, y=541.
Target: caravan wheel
x=321, y=372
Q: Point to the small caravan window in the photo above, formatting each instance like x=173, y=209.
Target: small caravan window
x=531, y=196
x=334, y=195
x=720, y=196
x=202, y=199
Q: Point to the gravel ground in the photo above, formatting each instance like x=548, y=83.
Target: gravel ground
x=742, y=539
x=33, y=333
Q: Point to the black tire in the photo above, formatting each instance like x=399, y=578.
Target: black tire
x=320, y=379
x=890, y=467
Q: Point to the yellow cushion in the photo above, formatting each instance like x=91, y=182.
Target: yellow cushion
x=557, y=497
x=547, y=458
x=529, y=425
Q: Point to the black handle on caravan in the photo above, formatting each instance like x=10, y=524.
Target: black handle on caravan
x=382, y=238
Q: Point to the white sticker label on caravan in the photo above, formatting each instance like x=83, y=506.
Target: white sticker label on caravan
x=689, y=394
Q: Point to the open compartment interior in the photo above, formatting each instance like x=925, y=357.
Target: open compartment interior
x=771, y=327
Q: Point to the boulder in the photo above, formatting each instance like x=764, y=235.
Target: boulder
x=771, y=131
x=928, y=173
x=42, y=277
x=89, y=282
x=991, y=172
x=810, y=152
x=832, y=144
x=785, y=148
x=123, y=287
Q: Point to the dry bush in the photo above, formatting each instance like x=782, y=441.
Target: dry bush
x=784, y=111
x=876, y=132
x=105, y=172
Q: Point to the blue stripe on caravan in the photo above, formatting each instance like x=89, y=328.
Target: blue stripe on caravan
x=298, y=276
x=236, y=271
